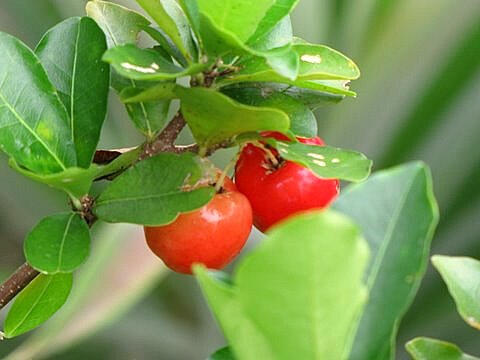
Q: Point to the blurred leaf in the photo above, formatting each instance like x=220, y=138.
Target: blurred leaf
x=290, y=301
x=431, y=349
x=122, y=26
x=222, y=354
x=81, y=79
x=226, y=117
x=33, y=121
x=397, y=213
x=58, y=244
x=462, y=276
x=37, y=303
x=146, y=64
x=155, y=191
x=441, y=93
x=326, y=161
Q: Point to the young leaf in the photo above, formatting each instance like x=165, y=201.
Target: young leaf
x=325, y=161
x=214, y=117
x=122, y=26
x=37, y=303
x=294, y=302
x=462, y=276
x=81, y=79
x=431, y=349
x=397, y=213
x=222, y=354
x=155, y=191
x=34, y=126
x=302, y=120
x=279, y=36
x=169, y=16
x=162, y=91
x=58, y=244
x=146, y=64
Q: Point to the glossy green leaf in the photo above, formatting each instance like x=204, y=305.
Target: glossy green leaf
x=166, y=44
x=302, y=120
x=214, y=117
x=431, y=349
x=294, y=302
x=462, y=276
x=122, y=26
x=34, y=126
x=280, y=35
x=155, y=191
x=162, y=91
x=397, y=213
x=145, y=64
x=326, y=161
x=37, y=303
x=58, y=244
x=222, y=354
x=169, y=16
x=81, y=78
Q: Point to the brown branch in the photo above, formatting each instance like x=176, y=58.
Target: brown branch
x=16, y=283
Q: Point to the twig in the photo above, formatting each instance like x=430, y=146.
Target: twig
x=16, y=283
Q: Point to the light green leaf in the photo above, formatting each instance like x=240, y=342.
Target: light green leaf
x=326, y=161
x=34, y=126
x=169, y=16
x=146, y=64
x=37, y=303
x=214, y=117
x=58, y=244
x=302, y=120
x=122, y=26
x=462, y=276
x=397, y=213
x=162, y=91
x=222, y=354
x=81, y=79
x=155, y=191
x=431, y=349
x=279, y=36
x=294, y=302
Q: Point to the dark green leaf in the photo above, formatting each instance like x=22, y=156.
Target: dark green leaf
x=462, y=276
x=145, y=64
x=57, y=244
x=34, y=126
x=37, y=303
x=397, y=213
x=214, y=117
x=166, y=44
x=431, y=349
x=122, y=26
x=155, y=191
x=290, y=301
x=326, y=161
x=222, y=354
x=169, y=16
x=302, y=120
x=81, y=78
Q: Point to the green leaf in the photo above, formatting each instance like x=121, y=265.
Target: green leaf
x=279, y=36
x=431, y=349
x=162, y=91
x=155, y=191
x=58, y=244
x=146, y=64
x=214, y=117
x=222, y=354
x=169, y=16
x=462, y=276
x=326, y=161
x=34, y=126
x=294, y=302
x=397, y=213
x=122, y=26
x=302, y=120
x=37, y=303
x=81, y=78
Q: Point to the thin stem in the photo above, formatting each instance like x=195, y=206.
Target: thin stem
x=223, y=175
x=23, y=276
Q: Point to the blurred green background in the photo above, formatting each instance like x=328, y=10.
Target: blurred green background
x=419, y=98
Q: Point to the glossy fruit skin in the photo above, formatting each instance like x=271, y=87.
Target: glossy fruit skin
x=276, y=194
x=212, y=235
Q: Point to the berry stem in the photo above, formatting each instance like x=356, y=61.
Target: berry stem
x=223, y=175
x=271, y=157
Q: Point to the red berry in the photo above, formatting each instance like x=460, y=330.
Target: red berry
x=212, y=235
x=277, y=192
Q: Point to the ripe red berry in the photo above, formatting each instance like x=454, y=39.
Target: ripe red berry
x=277, y=192
x=212, y=235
